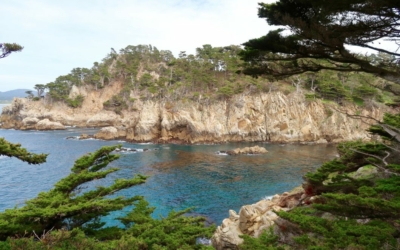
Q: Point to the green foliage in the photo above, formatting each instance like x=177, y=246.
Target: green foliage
x=117, y=103
x=374, y=198
x=58, y=90
x=75, y=102
x=212, y=71
x=8, y=48
x=319, y=33
x=266, y=241
x=226, y=91
x=14, y=150
x=40, y=89
x=339, y=233
x=172, y=232
x=350, y=209
x=67, y=218
x=63, y=207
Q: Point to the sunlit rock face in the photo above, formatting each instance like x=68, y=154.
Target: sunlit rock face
x=256, y=218
x=274, y=117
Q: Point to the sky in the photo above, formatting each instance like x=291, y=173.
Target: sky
x=59, y=35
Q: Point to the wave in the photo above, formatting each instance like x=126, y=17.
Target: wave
x=267, y=197
x=132, y=150
x=203, y=241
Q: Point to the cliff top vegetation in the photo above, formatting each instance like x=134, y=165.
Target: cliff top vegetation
x=211, y=74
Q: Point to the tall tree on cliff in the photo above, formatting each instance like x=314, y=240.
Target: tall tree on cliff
x=321, y=35
x=8, y=48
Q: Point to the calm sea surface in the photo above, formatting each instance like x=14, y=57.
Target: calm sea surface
x=180, y=176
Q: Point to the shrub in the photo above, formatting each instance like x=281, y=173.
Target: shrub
x=76, y=102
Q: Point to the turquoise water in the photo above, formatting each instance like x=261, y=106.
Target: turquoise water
x=180, y=176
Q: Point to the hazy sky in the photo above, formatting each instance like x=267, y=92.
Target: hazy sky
x=59, y=35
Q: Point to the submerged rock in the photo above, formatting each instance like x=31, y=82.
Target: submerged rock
x=85, y=137
x=248, y=150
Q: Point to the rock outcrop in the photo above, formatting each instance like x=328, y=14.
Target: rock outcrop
x=274, y=117
x=254, y=219
x=46, y=124
x=107, y=133
x=248, y=150
x=85, y=137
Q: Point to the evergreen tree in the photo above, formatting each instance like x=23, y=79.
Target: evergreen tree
x=8, y=48
x=65, y=217
x=324, y=30
x=15, y=150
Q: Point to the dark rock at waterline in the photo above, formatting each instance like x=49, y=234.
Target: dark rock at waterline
x=71, y=137
x=125, y=149
x=85, y=137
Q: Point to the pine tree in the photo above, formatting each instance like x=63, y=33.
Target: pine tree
x=66, y=217
x=15, y=150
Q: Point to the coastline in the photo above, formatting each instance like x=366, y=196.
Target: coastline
x=273, y=118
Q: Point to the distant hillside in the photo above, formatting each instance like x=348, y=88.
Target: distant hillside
x=7, y=96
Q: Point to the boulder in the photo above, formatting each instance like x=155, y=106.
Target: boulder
x=107, y=133
x=85, y=136
x=103, y=118
x=46, y=124
x=248, y=150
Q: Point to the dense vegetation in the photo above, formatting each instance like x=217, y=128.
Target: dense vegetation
x=319, y=35
x=213, y=73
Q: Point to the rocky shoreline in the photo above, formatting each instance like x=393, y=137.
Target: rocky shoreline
x=272, y=117
x=256, y=218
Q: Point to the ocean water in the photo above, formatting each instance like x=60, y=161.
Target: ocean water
x=180, y=176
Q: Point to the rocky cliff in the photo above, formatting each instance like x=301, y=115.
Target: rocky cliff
x=254, y=219
x=274, y=117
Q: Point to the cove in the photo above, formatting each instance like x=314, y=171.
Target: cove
x=180, y=176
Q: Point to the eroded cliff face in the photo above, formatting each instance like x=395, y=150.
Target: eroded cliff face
x=271, y=117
